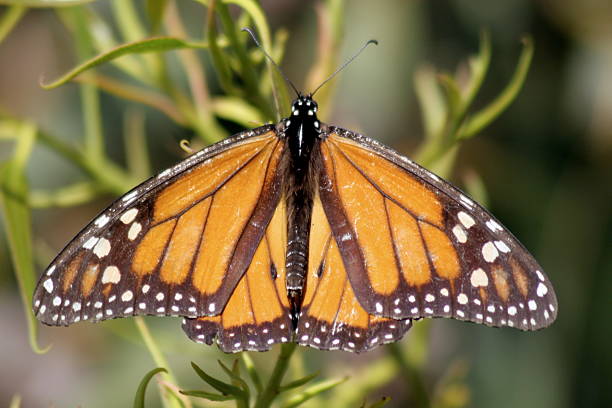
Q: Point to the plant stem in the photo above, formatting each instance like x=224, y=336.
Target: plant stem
x=272, y=388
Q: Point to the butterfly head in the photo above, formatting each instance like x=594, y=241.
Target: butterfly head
x=304, y=113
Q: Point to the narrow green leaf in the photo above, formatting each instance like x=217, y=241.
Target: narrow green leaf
x=103, y=38
x=142, y=388
x=134, y=134
x=237, y=110
x=155, y=13
x=312, y=391
x=235, y=377
x=252, y=371
x=431, y=101
x=17, y=223
x=68, y=196
x=219, y=385
x=208, y=395
x=453, y=95
x=156, y=44
x=298, y=383
x=9, y=19
x=137, y=94
x=247, y=69
x=219, y=60
x=479, y=66
x=128, y=20
x=488, y=114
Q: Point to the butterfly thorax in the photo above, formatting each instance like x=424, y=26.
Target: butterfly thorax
x=302, y=129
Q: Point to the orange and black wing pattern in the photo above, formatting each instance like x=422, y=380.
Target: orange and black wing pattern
x=256, y=316
x=180, y=244
x=413, y=246
x=332, y=318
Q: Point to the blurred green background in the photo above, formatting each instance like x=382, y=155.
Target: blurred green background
x=546, y=164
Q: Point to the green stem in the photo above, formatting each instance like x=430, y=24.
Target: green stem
x=10, y=17
x=159, y=360
x=274, y=383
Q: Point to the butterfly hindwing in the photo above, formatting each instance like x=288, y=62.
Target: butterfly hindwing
x=256, y=316
x=414, y=246
x=176, y=245
x=332, y=318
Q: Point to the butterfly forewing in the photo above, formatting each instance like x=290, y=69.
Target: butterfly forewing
x=176, y=245
x=414, y=246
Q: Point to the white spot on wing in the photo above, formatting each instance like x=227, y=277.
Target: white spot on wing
x=460, y=234
x=102, y=220
x=48, y=285
x=127, y=296
x=129, y=215
x=102, y=248
x=90, y=243
x=134, y=231
x=502, y=246
x=466, y=219
x=479, y=278
x=111, y=275
x=489, y=252
x=541, y=290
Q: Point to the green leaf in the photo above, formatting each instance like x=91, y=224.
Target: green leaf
x=298, y=383
x=156, y=44
x=233, y=375
x=155, y=13
x=142, y=388
x=237, y=110
x=479, y=65
x=312, y=391
x=485, y=116
x=453, y=95
x=219, y=385
x=208, y=395
x=68, y=196
x=431, y=101
x=17, y=222
x=9, y=19
x=252, y=371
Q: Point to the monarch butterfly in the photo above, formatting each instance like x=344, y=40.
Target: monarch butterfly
x=296, y=232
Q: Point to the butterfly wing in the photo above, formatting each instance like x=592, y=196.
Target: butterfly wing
x=414, y=246
x=176, y=245
x=257, y=314
x=332, y=318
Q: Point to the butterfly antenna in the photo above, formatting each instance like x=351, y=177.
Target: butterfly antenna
x=329, y=78
x=252, y=34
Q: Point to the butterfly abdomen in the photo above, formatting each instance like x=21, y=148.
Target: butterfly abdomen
x=302, y=135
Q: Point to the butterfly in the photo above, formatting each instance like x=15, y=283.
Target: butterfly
x=296, y=232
